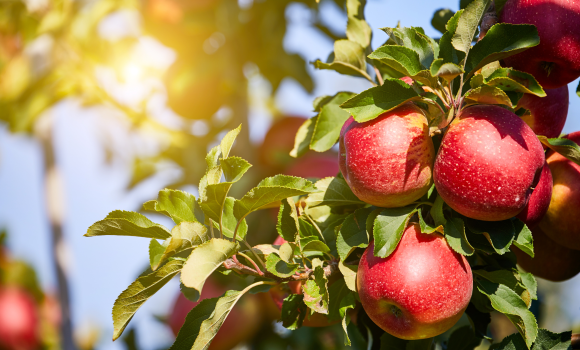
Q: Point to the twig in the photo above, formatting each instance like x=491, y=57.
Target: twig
x=379, y=75
x=235, y=265
x=255, y=255
x=252, y=262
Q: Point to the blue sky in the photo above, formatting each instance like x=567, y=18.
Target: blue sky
x=103, y=267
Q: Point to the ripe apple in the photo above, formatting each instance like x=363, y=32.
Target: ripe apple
x=387, y=161
x=279, y=141
x=547, y=114
x=562, y=222
x=420, y=290
x=539, y=201
x=555, y=62
x=551, y=261
x=488, y=163
x=19, y=321
x=241, y=324
x=315, y=165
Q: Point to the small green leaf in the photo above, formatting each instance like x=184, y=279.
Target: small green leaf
x=138, y=292
x=511, y=342
x=437, y=212
x=357, y=29
x=329, y=123
x=276, y=266
x=316, y=292
x=415, y=39
x=176, y=204
x=440, y=19
x=530, y=283
x=388, y=229
x=212, y=157
x=303, y=137
x=468, y=23
x=204, y=260
x=228, y=141
x=486, y=94
x=509, y=79
x=506, y=301
x=447, y=52
x=127, y=223
x=349, y=273
x=353, y=233
x=287, y=225
x=184, y=236
x=501, y=41
x=293, y=311
x=455, y=236
x=230, y=222
x=271, y=190
x=426, y=228
x=334, y=191
x=286, y=252
x=155, y=253
x=400, y=58
x=447, y=71
x=375, y=101
x=348, y=58
x=523, y=238
x=313, y=244
x=547, y=340
x=565, y=147
x=500, y=234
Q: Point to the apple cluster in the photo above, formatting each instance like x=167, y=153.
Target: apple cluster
x=489, y=165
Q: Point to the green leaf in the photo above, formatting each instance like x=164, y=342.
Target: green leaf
x=500, y=234
x=530, y=283
x=440, y=19
x=388, y=229
x=303, y=137
x=447, y=71
x=316, y=292
x=357, y=29
x=400, y=58
x=415, y=39
x=565, y=147
x=271, y=190
x=228, y=141
x=506, y=301
x=488, y=95
x=467, y=25
x=287, y=225
x=334, y=192
x=184, y=236
x=230, y=222
x=138, y=292
x=437, y=212
x=329, y=123
x=313, y=244
x=204, y=260
x=455, y=236
x=349, y=273
x=348, y=58
x=189, y=293
x=353, y=233
x=287, y=252
x=547, y=340
x=512, y=342
x=426, y=228
x=463, y=338
x=234, y=168
x=279, y=268
x=341, y=299
x=523, y=238
x=375, y=101
x=501, y=41
x=178, y=205
x=447, y=51
x=156, y=251
x=509, y=79
x=127, y=223
x=204, y=321
x=293, y=311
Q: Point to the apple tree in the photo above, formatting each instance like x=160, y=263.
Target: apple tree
x=441, y=188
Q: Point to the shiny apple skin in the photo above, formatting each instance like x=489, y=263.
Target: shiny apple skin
x=388, y=161
x=547, y=114
x=488, y=162
x=540, y=198
x=551, y=261
x=562, y=220
x=558, y=24
x=420, y=290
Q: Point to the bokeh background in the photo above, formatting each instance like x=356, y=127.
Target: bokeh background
x=134, y=94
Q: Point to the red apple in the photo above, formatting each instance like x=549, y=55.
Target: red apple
x=315, y=165
x=242, y=323
x=420, y=290
x=562, y=221
x=387, y=161
x=551, y=261
x=547, y=114
x=555, y=62
x=19, y=321
x=279, y=141
x=488, y=163
x=539, y=201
